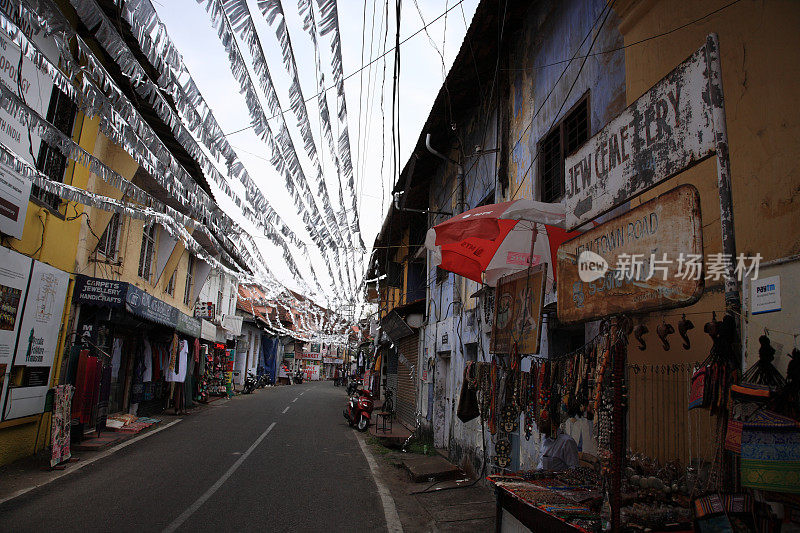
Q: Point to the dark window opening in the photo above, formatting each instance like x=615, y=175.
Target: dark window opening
x=566, y=137
x=187, y=288
x=147, y=251
x=50, y=161
x=394, y=274
x=416, y=282
x=108, y=245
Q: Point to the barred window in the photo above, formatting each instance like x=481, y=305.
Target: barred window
x=566, y=137
x=109, y=240
x=147, y=251
x=50, y=161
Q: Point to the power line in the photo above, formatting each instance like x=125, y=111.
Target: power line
x=283, y=112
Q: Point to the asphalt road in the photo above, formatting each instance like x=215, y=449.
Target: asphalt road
x=307, y=473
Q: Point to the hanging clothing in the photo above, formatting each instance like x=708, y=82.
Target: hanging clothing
x=173, y=353
x=181, y=361
x=60, y=428
x=147, y=353
x=116, y=357
x=196, y=351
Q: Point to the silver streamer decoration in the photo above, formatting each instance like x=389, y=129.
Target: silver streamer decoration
x=273, y=11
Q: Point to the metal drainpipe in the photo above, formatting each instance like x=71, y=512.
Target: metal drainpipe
x=460, y=195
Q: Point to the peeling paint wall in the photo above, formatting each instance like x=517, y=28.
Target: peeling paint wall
x=539, y=86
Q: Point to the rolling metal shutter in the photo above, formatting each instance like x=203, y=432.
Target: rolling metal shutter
x=406, y=396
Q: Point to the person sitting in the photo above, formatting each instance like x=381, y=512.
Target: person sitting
x=559, y=453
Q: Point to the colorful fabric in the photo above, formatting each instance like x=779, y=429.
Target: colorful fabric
x=697, y=388
x=760, y=419
x=771, y=459
x=60, y=424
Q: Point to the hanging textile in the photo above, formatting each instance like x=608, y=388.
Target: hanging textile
x=771, y=458
x=173, y=355
x=60, y=424
x=147, y=356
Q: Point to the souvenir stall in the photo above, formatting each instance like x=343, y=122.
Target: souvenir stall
x=118, y=373
x=214, y=378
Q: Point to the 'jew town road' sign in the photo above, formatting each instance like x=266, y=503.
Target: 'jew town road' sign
x=666, y=130
x=658, y=243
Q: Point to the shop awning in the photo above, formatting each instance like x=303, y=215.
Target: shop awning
x=145, y=305
x=208, y=331
x=188, y=325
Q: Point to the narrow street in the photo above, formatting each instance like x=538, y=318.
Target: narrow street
x=307, y=473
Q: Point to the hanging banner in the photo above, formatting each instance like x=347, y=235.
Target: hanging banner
x=518, y=311
x=642, y=260
x=664, y=131
x=15, y=191
x=38, y=341
x=33, y=83
x=15, y=270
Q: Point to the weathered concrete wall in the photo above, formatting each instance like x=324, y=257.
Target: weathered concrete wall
x=539, y=87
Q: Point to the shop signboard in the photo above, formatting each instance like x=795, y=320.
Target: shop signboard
x=188, y=325
x=204, y=310
x=99, y=291
x=37, y=342
x=645, y=259
x=333, y=360
x=306, y=356
x=314, y=347
x=15, y=271
x=145, y=305
x=664, y=131
x=15, y=191
x=518, y=311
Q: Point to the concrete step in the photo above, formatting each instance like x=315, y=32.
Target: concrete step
x=422, y=468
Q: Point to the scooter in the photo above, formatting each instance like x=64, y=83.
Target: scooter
x=250, y=383
x=359, y=410
x=353, y=386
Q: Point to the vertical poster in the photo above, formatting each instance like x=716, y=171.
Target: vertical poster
x=518, y=311
x=15, y=270
x=37, y=341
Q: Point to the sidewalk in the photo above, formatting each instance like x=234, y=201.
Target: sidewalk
x=456, y=505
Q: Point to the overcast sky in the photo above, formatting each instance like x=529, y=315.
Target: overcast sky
x=421, y=76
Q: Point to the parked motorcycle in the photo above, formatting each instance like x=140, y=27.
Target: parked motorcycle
x=250, y=383
x=359, y=410
x=298, y=378
x=353, y=386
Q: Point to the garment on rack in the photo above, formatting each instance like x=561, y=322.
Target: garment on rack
x=147, y=353
x=116, y=357
x=179, y=373
x=173, y=354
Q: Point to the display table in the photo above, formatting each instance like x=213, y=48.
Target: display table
x=545, y=505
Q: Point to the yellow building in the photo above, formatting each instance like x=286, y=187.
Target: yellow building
x=102, y=242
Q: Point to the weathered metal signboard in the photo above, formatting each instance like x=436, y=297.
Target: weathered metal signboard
x=518, y=311
x=649, y=258
x=663, y=132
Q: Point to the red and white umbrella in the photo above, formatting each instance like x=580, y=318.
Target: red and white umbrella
x=491, y=241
